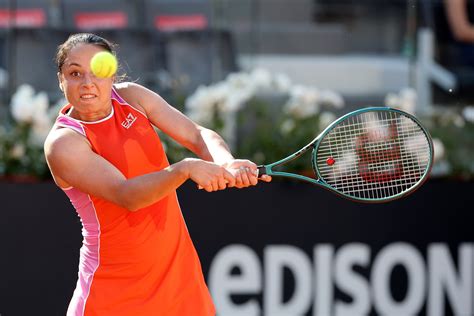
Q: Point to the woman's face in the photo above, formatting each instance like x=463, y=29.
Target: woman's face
x=87, y=93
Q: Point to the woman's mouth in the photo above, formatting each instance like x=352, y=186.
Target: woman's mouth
x=88, y=96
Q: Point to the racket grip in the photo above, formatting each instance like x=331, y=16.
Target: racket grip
x=262, y=170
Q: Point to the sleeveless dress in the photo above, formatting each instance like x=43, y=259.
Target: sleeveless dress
x=133, y=263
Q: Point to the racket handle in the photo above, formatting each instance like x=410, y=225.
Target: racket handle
x=261, y=170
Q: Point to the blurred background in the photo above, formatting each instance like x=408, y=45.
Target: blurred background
x=268, y=75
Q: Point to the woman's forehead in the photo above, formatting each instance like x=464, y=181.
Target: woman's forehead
x=81, y=54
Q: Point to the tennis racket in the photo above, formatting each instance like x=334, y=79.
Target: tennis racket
x=374, y=154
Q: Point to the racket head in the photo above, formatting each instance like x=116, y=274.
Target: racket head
x=373, y=155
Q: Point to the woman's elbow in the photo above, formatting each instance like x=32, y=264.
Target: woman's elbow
x=126, y=200
x=132, y=207
x=131, y=204
x=126, y=203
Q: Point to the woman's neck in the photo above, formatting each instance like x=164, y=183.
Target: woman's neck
x=90, y=117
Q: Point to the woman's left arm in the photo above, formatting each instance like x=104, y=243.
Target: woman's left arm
x=205, y=143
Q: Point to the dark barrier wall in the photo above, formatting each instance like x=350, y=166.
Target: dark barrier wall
x=278, y=249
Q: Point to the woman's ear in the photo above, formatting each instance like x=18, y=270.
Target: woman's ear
x=60, y=82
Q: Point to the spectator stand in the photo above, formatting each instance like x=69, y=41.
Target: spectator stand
x=163, y=44
x=194, y=52
x=28, y=34
x=122, y=23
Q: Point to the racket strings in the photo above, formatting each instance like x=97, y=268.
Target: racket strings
x=377, y=155
x=374, y=168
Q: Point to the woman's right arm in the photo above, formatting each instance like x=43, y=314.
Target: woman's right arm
x=72, y=162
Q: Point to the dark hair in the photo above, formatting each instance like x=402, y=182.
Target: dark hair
x=81, y=38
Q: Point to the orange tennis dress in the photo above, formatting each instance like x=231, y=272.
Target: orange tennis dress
x=133, y=263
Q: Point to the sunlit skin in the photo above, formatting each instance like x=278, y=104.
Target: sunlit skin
x=89, y=94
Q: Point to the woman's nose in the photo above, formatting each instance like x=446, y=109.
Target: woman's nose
x=88, y=78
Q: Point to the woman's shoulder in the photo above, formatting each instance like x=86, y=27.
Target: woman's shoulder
x=139, y=96
x=131, y=93
x=63, y=139
x=128, y=90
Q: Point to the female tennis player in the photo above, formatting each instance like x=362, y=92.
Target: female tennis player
x=137, y=257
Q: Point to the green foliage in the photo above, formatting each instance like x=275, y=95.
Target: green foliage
x=18, y=155
x=457, y=138
x=266, y=135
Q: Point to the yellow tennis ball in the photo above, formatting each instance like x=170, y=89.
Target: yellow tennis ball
x=104, y=65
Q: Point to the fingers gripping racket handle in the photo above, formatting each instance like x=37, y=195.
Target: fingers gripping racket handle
x=261, y=170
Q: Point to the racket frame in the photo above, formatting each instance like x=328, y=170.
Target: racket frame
x=314, y=144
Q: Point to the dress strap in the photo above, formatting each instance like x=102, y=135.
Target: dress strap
x=117, y=97
x=67, y=122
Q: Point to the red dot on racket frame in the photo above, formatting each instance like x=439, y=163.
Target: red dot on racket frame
x=330, y=161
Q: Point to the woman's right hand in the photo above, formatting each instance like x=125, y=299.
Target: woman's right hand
x=208, y=175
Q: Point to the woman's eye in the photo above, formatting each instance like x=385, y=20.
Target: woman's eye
x=75, y=73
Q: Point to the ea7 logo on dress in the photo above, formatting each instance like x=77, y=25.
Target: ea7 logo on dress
x=129, y=120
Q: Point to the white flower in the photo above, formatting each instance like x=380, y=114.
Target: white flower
x=301, y=110
x=40, y=104
x=235, y=100
x=261, y=79
x=412, y=145
x=326, y=118
x=238, y=80
x=287, y=126
x=468, y=113
x=218, y=92
x=18, y=151
x=231, y=95
x=282, y=83
x=408, y=99
x=405, y=100
x=331, y=98
x=304, y=94
x=40, y=130
x=200, y=105
x=198, y=99
x=392, y=100
x=438, y=149
x=303, y=101
x=200, y=117
x=26, y=107
x=22, y=107
x=458, y=121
